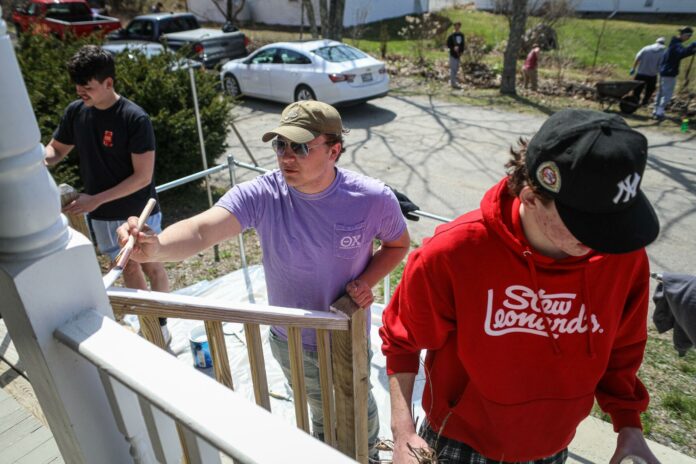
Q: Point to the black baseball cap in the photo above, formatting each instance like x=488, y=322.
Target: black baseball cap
x=592, y=163
x=686, y=30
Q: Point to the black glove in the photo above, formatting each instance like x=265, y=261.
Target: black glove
x=407, y=206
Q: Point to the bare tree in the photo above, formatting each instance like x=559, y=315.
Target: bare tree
x=516, y=12
x=360, y=17
x=331, y=15
x=229, y=11
x=601, y=34
x=311, y=18
x=552, y=12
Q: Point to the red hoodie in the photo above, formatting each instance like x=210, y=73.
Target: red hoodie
x=469, y=297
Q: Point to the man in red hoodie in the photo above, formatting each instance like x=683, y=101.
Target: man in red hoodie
x=531, y=306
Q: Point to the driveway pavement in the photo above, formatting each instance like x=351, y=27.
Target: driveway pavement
x=444, y=156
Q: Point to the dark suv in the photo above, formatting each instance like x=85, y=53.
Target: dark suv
x=180, y=30
x=151, y=27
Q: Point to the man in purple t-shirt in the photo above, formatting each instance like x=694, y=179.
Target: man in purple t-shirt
x=316, y=224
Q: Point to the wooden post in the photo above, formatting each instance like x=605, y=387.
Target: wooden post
x=298, y=380
x=327, y=388
x=257, y=364
x=150, y=328
x=218, y=353
x=351, y=383
x=77, y=221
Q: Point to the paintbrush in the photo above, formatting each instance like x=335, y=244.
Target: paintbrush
x=124, y=255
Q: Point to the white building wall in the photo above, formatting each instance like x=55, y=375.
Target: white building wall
x=287, y=12
x=368, y=11
x=623, y=6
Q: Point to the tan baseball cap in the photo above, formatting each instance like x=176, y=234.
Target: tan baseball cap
x=306, y=120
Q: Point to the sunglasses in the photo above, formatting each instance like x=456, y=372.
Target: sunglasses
x=299, y=149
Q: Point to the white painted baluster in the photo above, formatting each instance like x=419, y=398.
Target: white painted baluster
x=126, y=412
x=199, y=450
x=161, y=429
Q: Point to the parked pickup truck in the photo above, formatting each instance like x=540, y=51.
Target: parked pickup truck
x=58, y=17
x=175, y=30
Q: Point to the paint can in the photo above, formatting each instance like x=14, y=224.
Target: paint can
x=200, y=350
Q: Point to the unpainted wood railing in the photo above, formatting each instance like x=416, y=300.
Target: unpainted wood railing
x=342, y=353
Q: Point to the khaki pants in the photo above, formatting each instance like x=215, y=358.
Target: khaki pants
x=279, y=348
x=531, y=76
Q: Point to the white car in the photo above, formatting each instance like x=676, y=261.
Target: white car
x=325, y=70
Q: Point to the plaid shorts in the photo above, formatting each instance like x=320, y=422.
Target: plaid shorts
x=455, y=452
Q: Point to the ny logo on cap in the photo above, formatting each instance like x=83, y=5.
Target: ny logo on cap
x=628, y=188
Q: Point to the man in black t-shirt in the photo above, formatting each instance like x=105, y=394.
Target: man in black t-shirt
x=455, y=43
x=116, y=145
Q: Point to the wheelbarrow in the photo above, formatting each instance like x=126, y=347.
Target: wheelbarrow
x=621, y=92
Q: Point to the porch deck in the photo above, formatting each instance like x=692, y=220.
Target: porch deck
x=23, y=439
x=24, y=434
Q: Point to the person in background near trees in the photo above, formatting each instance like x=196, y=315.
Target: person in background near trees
x=531, y=306
x=669, y=69
x=115, y=143
x=316, y=224
x=455, y=43
x=530, y=71
x=645, y=67
x=157, y=7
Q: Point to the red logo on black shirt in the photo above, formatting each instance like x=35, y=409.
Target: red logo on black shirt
x=108, y=139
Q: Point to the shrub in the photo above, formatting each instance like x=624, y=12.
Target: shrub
x=42, y=62
x=476, y=49
x=421, y=29
x=166, y=96
x=155, y=84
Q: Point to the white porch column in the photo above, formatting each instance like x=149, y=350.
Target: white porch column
x=48, y=274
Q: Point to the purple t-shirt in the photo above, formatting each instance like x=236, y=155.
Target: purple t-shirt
x=313, y=245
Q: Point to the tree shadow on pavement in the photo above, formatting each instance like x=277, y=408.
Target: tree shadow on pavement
x=526, y=101
x=365, y=116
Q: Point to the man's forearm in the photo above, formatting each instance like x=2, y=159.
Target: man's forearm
x=384, y=261
x=631, y=442
x=52, y=156
x=130, y=184
x=190, y=236
x=179, y=241
x=401, y=394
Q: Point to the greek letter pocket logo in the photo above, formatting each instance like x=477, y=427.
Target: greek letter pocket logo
x=348, y=240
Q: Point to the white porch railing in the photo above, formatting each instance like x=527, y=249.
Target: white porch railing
x=167, y=392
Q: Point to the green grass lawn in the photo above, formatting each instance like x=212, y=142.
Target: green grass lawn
x=578, y=37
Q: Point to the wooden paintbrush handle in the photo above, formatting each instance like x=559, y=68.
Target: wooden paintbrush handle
x=146, y=212
x=125, y=251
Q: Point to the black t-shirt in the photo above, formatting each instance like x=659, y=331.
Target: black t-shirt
x=455, y=43
x=105, y=140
